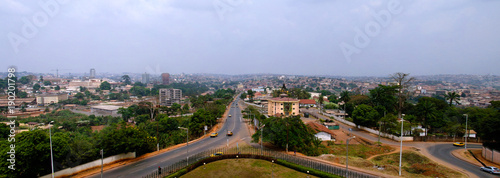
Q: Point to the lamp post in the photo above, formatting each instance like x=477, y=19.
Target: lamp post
x=187, y=144
x=401, y=146
x=261, y=139
x=51, y=156
x=466, y=134
x=347, y=156
x=272, y=168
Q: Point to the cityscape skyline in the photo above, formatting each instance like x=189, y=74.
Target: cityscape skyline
x=358, y=38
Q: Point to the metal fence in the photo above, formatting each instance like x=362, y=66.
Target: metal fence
x=251, y=152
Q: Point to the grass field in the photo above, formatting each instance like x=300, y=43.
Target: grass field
x=358, y=150
x=243, y=168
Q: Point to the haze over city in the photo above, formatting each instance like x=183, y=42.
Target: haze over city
x=248, y=36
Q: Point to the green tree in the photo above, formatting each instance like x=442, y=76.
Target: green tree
x=452, y=97
x=126, y=80
x=345, y=96
x=22, y=94
x=47, y=83
x=36, y=87
x=251, y=94
x=79, y=96
x=333, y=98
x=384, y=96
x=57, y=88
x=243, y=96
x=365, y=115
x=24, y=80
x=426, y=111
x=291, y=131
x=105, y=86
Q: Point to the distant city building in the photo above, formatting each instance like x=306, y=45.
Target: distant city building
x=165, y=77
x=110, y=110
x=46, y=99
x=169, y=96
x=145, y=78
x=92, y=73
x=76, y=84
x=283, y=106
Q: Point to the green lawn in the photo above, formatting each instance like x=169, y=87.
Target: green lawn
x=243, y=168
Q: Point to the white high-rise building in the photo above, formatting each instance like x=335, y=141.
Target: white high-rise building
x=92, y=73
x=145, y=78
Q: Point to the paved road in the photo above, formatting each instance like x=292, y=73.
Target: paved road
x=443, y=152
x=146, y=166
x=440, y=151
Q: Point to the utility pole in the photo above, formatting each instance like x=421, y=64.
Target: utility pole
x=401, y=147
x=466, y=134
x=347, y=157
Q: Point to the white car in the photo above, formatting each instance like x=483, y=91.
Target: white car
x=491, y=169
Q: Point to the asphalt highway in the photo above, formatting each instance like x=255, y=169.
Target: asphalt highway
x=148, y=165
x=443, y=152
x=440, y=151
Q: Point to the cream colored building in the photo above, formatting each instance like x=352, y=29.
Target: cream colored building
x=76, y=84
x=46, y=99
x=283, y=107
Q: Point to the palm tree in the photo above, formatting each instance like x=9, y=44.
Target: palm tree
x=320, y=100
x=344, y=96
x=452, y=96
x=427, y=110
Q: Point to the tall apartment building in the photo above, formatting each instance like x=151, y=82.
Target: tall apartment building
x=283, y=106
x=92, y=73
x=165, y=77
x=169, y=96
x=145, y=78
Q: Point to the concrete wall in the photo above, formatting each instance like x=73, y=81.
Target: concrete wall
x=323, y=136
x=96, y=163
x=491, y=155
x=382, y=134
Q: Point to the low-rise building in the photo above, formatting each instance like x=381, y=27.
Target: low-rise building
x=49, y=98
x=307, y=103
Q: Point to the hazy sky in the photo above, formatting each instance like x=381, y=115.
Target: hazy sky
x=350, y=38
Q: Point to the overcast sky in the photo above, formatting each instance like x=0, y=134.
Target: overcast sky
x=326, y=37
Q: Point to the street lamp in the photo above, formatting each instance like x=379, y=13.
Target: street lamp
x=51, y=156
x=261, y=139
x=272, y=168
x=187, y=144
x=466, y=135
x=401, y=146
x=347, y=156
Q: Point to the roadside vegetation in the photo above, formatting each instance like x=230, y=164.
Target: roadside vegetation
x=75, y=143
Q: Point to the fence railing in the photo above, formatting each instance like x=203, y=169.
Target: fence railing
x=257, y=153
